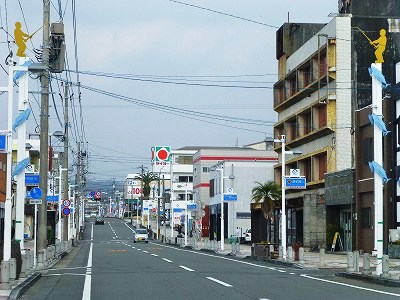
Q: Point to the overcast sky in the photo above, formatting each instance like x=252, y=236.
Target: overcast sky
x=172, y=61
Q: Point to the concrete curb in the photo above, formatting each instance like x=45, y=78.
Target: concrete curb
x=24, y=286
x=370, y=278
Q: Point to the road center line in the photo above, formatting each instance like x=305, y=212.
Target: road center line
x=145, y=251
x=219, y=281
x=167, y=260
x=154, y=254
x=186, y=268
x=88, y=276
x=351, y=286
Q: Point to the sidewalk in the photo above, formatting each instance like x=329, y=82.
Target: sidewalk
x=334, y=261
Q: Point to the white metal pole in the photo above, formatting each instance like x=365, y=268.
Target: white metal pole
x=21, y=155
x=73, y=217
x=35, y=233
x=222, y=210
x=59, y=203
x=8, y=203
x=69, y=216
x=171, y=209
x=137, y=213
x=283, y=140
x=378, y=158
x=186, y=215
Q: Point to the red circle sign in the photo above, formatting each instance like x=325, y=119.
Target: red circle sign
x=162, y=154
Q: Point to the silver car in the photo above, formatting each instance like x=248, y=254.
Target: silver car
x=140, y=235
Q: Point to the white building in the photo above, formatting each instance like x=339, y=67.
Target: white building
x=249, y=165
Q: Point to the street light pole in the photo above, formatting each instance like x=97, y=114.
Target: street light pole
x=283, y=162
x=186, y=215
x=283, y=166
x=59, y=200
x=222, y=210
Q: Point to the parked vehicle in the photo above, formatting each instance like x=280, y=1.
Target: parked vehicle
x=99, y=220
x=167, y=222
x=140, y=235
x=247, y=236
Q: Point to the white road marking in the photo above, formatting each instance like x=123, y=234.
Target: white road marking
x=145, y=251
x=62, y=274
x=154, y=254
x=58, y=269
x=186, y=268
x=167, y=260
x=292, y=273
x=91, y=233
x=282, y=271
x=351, y=286
x=219, y=281
x=88, y=276
x=138, y=249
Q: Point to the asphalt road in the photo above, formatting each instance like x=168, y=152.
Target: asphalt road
x=111, y=266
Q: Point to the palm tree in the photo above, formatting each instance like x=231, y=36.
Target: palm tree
x=266, y=194
x=147, y=179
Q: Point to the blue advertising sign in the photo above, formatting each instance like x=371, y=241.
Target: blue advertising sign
x=31, y=180
x=3, y=143
x=230, y=197
x=295, y=182
x=177, y=209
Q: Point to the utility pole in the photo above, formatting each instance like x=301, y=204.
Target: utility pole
x=44, y=129
x=65, y=178
x=78, y=185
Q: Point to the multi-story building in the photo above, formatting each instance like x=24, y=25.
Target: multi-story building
x=247, y=165
x=323, y=83
x=178, y=166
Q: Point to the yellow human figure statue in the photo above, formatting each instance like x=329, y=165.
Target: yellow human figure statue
x=20, y=39
x=380, y=45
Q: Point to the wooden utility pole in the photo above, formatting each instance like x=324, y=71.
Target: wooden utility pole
x=44, y=130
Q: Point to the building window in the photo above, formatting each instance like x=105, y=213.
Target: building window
x=185, y=179
x=212, y=187
x=366, y=217
x=206, y=170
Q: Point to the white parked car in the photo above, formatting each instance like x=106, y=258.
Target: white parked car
x=140, y=235
x=247, y=236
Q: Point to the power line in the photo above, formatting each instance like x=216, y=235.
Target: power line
x=225, y=14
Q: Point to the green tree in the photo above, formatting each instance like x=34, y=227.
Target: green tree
x=267, y=194
x=146, y=179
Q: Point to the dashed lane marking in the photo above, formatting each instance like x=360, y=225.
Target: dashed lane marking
x=186, y=268
x=219, y=281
